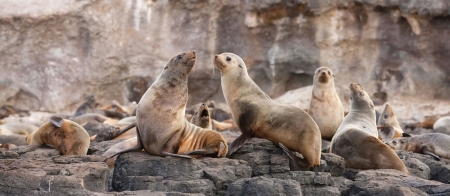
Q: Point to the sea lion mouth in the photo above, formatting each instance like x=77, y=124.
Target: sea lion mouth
x=323, y=78
x=204, y=114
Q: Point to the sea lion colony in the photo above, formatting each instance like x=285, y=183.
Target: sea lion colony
x=161, y=125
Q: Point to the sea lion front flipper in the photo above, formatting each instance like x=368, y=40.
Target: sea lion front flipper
x=57, y=121
x=238, y=142
x=175, y=155
x=209, y=150
x=29, y=148
x=427, y=150
x=138, y=146
x=294, y=156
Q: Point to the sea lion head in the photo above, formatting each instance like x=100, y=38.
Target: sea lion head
x=202, y=117
x=323, y=75
x=387, y=117
x=230, y=64
x=360, y=99
x=398, y=143
x=180, y=65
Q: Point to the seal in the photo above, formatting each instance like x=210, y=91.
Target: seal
x=435, y=144
x=66, y=136
x=388, y=126
x=161, y=126
x=87, y=107
x=257, y=115
x=18, y=140
x=356, y=139
x=202, y=118
x=89, y=117
x=325, y=106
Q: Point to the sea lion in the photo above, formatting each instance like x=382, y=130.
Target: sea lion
x=257, y=115
x=202, y=118
x=443, y=122
x=388, y=127
x=18, y=140
x=8, y=110
x=17, y=128
x=160, y=123
x=89, y=117
x=87, y=107
x=66, y=136
x=8, y=146
x=435, y=144
x=116, y=148
x=356, y=139
x=325, y=106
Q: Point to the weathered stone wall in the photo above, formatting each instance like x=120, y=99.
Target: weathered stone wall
x=53, y=53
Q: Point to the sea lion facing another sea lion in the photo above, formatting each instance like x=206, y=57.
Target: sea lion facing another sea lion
x=66, y=136
x=257, y=115
x=325, y=106
x=435, y=144
x=357, y=137
x=160, y=123
x=388, y=127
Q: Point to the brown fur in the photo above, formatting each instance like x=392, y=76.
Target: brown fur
x=428, y=143
x=259, y=116
x=357, y=137
x=70, y=139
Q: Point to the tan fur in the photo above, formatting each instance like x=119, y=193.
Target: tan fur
x=8, y=146
x=388, y=119
x=325, y=106
x=357, y=137
x=202, y=117
x=436, y=143
x=259, y=116
x=429, y=121
x=160, y=116
x=70, y=139
x=17, y=128
x=89, y=117
x=442, y=122
x=225, y=125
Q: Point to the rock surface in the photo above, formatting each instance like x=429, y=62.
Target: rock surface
x=117, y=49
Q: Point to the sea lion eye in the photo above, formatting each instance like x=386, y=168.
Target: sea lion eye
x=228, y=58
x=394, y=142
x=179, y=57
x=361, y=94
x=385, y=116
x=401, y=142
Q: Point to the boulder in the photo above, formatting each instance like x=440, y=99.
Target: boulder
x=264, y=186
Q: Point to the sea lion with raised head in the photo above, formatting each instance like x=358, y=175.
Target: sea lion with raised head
x=325, y=106
x=66, y=136
x=202, y=118
x=160, y=123
x=257, y=115
x=388, y=127
x=356, y=139
x=87, y=107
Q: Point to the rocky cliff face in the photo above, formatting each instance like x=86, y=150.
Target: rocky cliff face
x=54, y=54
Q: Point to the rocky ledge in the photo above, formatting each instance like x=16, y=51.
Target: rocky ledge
x=258, y=168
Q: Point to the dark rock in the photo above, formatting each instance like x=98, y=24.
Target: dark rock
x=8, y=154
x=312, y=183
x=264, y=186
x=388, y=182
x=343, y=184
x=332, y=163
x=98, y=148
x=139, y=170
x=417, y=168
x=439, y=170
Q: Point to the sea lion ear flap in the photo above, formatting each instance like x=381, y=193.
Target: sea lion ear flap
x=240, y=65
x=405, y=135
x=57, y=121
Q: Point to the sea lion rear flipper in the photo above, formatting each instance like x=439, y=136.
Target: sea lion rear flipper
x=209, y=150
x=294, y=156
x=238, y=143
x=124, y=130
x=138, y=146
x=57, y=121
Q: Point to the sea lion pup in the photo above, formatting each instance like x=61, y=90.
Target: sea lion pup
x=160, y=123
x=388, y=127
x=435, y=144
x=202, y=118
x=66, y=136
x=325, y=106
x=257, y=115
x=87, y=107
x=356, y=139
